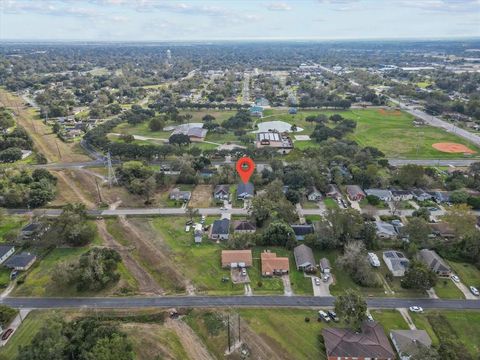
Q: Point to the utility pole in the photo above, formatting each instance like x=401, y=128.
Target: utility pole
x=112, y=179
x=58, y=149
x=228, y=333
x=98, y=191
x=239, y=338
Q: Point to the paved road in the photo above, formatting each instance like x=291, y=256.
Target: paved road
x=227, y=301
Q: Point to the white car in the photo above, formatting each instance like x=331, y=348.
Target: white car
x=455, y=278
x=323, y=315
x=474, y=291
x=369, y=316
x=317, y=281
x=416, y=309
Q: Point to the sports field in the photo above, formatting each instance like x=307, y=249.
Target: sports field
x=391, y=131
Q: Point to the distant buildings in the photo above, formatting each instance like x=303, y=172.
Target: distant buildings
x=304, y=258
x=194, y=131
x=301, y=230
x=280, y=141
x=435, y=262
x=355, y=193
x=409, y=343
x=178, y=195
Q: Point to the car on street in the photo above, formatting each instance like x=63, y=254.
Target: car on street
x=323, y=315
x=474, y=291
x=6, y=334
x=416, y=309
x=317, y=281
x=455, y=278
x=332, y=315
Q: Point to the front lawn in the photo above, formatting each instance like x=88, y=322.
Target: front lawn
x=446, y=289
x=468, y=273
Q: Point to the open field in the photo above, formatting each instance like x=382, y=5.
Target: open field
x=468, y=273
x=46, y=142
x=464, y=326
x=11, y=224
x=201, y=196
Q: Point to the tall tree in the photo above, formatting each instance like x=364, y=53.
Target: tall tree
x=352, y=307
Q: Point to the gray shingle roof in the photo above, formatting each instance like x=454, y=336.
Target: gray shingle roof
x=19, y=260
x=245, y=188
x=5, y=249
x=433, y=260
x=221, y=227
x=303, y=256
x=409, y=342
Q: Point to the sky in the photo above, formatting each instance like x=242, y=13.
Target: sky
x=170, y=20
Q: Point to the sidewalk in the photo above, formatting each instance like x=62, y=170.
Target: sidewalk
x=15, y=324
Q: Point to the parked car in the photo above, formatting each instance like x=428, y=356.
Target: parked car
x=416, y=309
x=326, y=277
x=317, y=281
x=189, y=222
x=332, y=315
x=7, y=334
x=323, y=315
x=455, y=278
x=474, y=291
x=187, y=228
x=369, y=316
x=244, y=272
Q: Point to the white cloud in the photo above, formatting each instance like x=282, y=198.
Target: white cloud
x=279, y=6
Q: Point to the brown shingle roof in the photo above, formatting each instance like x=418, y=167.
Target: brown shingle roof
x=371, y=342
x=236, y=256
x=271, y=263
x=243, y=225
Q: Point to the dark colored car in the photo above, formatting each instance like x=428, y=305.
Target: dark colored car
x=332, y=315
x=6, y=334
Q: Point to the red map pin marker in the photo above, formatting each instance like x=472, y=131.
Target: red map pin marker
x=245, y=167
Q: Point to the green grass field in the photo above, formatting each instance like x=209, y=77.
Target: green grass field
x=468, y=273
x=446, y=289
x=390, y=319
x=11, y=224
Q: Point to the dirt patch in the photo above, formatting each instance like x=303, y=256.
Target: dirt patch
x=455, y=148
x=157, y=260
x=201, y=196
x=46, y=142
x=192, y=344
x=261, y=346
x=146, y=283
x=70, y=192
x=384, y=112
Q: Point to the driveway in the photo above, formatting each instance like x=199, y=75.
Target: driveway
x=323, y=289
x=406, y=316
x=287, y=286
x=466, y=291
x=15, y=324
x=355, y=205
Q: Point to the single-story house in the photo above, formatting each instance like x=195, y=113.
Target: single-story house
x=22, y=261
x=220, y=229
x=383, y=195
x=301, y=230
x=440, y=196
x=243, y=226
x=333, y=192
x=221, y=192
x=207, y=173
x=355, y=193
x=178, y=195
x=273, y=265
x=435, y=262
x=313, y=194
x=396, y=262
x=5, y=252
x=421, y=195
x=409, y=343
x=402, y=195
x=325, y=266
x=385, y=230
x=236, y=258
x=373, y=259
x=32, y=229
x=256, y=111
x=442, y=229
x=245, y=191
x=347, y=344
x=304, y=257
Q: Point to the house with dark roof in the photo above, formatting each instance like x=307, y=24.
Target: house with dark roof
x=21, y=261
x=385, y=230
x=421, y=195
x=301, y=230
x=401, y=195
x=5, y=252
x=440, y=196
x=245, y=191
x=33, y=230
x=396, y=262
x=244, y=226
x=221, y=192
x=355, y=193
x=304, y=258
x=313, y=194
x=435, y=262
x=333, y=192
x=347, y=344
x=409, y=343
x=442, y=229
x=220, y=229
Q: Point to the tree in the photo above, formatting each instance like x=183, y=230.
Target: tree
x=208, y=118
x=410, y=175
x=241, y=241
x=461, y=219
x=293, y=196
x=418, y=276
x=156, y=124
x=369, y=235
x=179, y=139
x=127, y=138
x=278, y=234
x=6, y=315
x=425, y=353
x=373, y=200
x=354, y=262
x=352, y=308
x=72, y=227
x=417, y=230
x=10, y=155
x=423, y=213
x=114, y=348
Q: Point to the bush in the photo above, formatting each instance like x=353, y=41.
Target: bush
x=6, y=315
